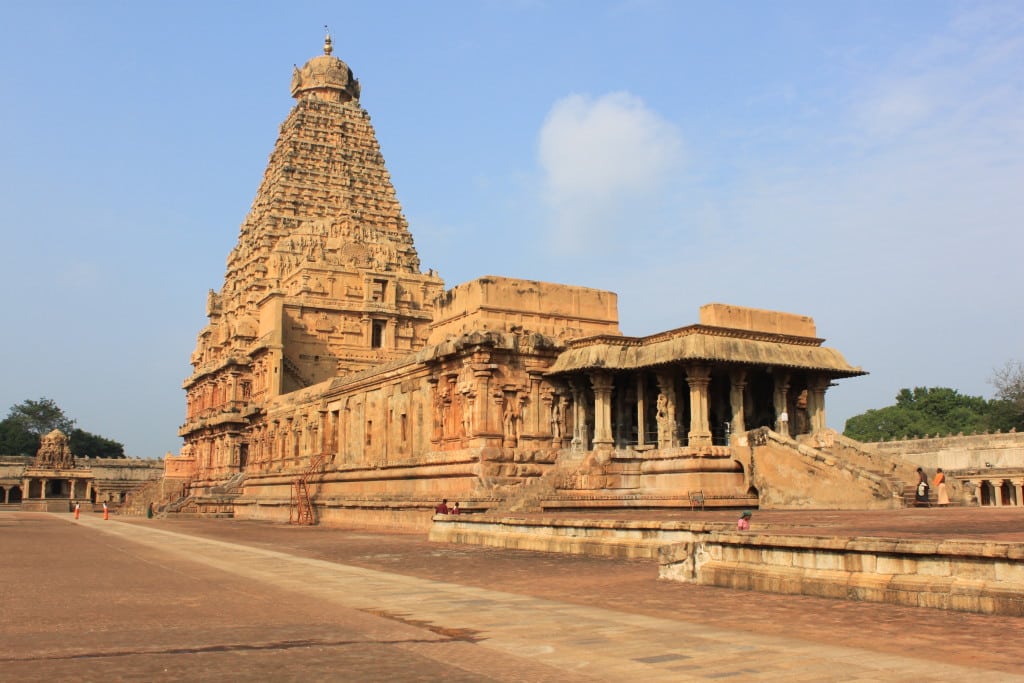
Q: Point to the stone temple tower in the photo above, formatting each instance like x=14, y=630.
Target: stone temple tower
x=324, y=280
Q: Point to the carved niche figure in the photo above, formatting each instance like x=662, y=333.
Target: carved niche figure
x=511, y=418
x=466, y=403
x=556, y=420
x=54, y=451
x=664, y=422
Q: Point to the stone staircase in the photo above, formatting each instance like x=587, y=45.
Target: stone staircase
x=231, y=486
x=158, y=492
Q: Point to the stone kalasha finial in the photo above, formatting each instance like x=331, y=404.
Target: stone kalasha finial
x=325, y=77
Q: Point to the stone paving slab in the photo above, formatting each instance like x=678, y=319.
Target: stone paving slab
x=614, y=620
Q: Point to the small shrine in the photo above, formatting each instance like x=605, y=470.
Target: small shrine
x=53, y=482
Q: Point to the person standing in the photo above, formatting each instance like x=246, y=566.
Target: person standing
x=941, y=490
x=442, y=507
x=921, y=493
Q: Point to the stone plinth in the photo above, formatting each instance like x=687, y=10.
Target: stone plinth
x=958, y=575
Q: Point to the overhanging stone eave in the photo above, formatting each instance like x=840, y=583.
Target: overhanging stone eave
x=700, y=347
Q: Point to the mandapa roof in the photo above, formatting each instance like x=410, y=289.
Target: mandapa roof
x=702, y=343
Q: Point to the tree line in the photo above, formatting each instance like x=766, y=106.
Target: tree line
x=925, y=411
x=26, y=422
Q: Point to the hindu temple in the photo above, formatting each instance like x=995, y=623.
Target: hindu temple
x=337, y=380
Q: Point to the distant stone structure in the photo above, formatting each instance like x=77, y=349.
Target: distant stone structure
x=989, y=466
x=337, y=381
x=54, y=480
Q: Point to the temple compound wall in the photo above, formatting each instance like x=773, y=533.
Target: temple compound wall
x=336, y=381
x=990, y=466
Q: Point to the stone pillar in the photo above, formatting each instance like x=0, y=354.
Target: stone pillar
x=534, y=407
x=698, y=377
x=737, y=384
x=484, y=422
x=437, y=426
x=321, y=432
x=579, y=417
x=641, y=410
x=997, y=490
x=1018, y=488
x=390, y=340
x=816, y=403
x=781, y=399
x=602, y=384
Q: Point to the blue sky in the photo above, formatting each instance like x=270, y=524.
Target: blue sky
x=858, y=162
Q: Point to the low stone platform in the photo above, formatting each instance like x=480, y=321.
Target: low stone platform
x=233, y=600
x=963, y=559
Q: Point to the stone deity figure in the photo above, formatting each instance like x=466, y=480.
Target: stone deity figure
x=438, y=414
x=556, y=420
x=664, y=422
x=511, y=417
x=467, y=415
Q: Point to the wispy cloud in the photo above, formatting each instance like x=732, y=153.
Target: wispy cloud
x=601, y=157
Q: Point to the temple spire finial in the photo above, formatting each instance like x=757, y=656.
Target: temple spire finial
x=328, y=46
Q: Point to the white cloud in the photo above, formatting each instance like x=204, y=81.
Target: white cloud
x=603, y=160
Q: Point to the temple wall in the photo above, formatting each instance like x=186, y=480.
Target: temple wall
x=179, y=467
x=960, y=452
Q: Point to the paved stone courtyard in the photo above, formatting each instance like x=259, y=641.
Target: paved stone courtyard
x=224, y=600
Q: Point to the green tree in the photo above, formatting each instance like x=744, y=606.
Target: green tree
x=924, y=410
x=1009, y=385
x=83, y=443
x=40, y=417
x=26, y=422
x=14, y=440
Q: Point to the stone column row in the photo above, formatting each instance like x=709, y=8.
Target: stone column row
x=698, y=379
x=996, y=486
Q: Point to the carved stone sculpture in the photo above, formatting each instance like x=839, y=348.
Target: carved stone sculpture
x=54, y=451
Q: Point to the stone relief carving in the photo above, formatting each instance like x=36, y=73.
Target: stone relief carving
x=512, y=418
x=556, y=420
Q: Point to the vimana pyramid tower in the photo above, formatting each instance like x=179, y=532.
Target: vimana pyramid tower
x=336, y=381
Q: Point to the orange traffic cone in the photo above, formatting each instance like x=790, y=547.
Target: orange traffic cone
x=76, y=510
x=106, y=512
